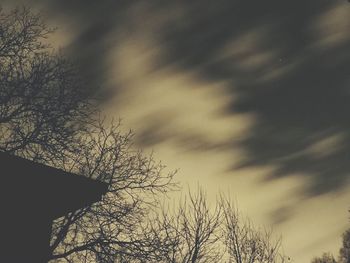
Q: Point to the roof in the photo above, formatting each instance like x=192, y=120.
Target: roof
x=37, y=188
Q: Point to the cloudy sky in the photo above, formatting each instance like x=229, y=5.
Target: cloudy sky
x=246, y=97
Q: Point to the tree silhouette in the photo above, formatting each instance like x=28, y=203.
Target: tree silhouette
x=47, y=116
x=196, y=233
x=191, y=233
x=326, y=258
x=245, y=243
x=42, y=101
x=344, y=252
x=114, y=226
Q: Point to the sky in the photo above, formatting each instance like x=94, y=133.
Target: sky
x=245, y=97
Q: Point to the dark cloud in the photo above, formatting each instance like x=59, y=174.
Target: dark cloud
x=295, y=110
x=92, y=24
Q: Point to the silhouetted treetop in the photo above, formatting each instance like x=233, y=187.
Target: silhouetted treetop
x=326, y=258
x=42, y=100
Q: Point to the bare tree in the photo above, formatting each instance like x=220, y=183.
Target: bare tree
x=326, y=258
x=344, y=252
x=47, y=116
x=191, y=234
x=245, y=243
x=113, y=227
x=196, y=233
x=42, y=101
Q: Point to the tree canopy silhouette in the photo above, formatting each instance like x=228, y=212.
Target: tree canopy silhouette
x=344, y=252
x=42, y=100
x=47, y=115
x=325, y=258
x=198, y=233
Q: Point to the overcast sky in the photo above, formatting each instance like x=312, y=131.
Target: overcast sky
x=247, y=97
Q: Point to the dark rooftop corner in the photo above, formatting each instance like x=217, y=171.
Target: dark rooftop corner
x=32, y=196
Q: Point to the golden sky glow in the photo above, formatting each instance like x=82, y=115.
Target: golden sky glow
x=186, y=116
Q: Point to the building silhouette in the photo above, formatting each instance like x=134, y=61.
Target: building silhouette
x=33, y=195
